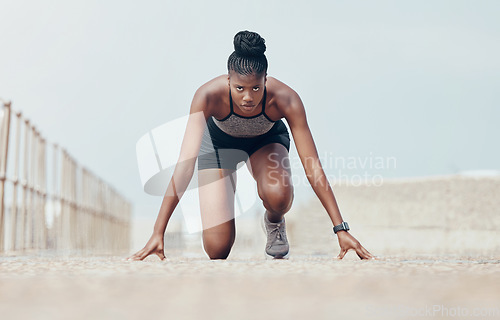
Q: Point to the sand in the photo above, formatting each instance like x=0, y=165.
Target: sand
x=247, y=287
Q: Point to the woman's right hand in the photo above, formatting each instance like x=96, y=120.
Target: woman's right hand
x=154, y=245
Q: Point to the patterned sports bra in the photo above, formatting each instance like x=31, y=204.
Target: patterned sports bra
x=245, y=127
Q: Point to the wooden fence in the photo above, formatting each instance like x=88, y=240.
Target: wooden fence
x=58, y=206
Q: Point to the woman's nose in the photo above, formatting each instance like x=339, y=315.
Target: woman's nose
x=247, y=97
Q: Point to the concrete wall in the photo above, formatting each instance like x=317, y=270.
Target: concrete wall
x=449, y=215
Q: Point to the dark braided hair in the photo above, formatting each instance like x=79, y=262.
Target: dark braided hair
x=248, y=56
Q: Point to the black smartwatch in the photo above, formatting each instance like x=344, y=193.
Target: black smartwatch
x=341, y=227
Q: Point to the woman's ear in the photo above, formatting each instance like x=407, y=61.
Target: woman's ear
x=228, y=82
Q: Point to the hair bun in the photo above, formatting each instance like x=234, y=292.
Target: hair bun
x=248, y=43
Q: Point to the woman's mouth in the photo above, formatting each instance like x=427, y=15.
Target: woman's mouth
x=248, y=107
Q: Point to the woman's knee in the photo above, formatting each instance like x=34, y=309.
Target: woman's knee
x=217, y=245
x=277, y=199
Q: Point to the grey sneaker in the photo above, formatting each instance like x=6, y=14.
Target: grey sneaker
x=277, y=243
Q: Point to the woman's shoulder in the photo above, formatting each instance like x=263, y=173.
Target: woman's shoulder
x=214, y=87
x=281, y=94
x=280, y=90
x=212, y=94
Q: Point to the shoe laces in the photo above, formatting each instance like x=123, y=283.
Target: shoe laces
x=279, y=233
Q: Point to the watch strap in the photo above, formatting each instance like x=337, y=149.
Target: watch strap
x=341, y=227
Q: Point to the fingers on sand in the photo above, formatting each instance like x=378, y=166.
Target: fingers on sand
x=360, y=251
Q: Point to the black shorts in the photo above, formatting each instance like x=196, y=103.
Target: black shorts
x=223, y=151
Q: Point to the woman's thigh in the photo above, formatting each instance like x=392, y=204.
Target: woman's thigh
x=270, y=167
x=216, y=191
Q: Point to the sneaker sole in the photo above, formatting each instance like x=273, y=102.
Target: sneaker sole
x=269, y=257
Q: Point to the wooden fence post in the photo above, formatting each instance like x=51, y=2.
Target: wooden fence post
x=15, y=181
x=4, y=148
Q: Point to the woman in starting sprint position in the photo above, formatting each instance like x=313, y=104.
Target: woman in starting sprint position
x=234, y=118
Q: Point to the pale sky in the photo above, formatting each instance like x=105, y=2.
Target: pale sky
x=414, y=83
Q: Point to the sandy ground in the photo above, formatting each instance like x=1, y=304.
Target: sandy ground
x=248, y=286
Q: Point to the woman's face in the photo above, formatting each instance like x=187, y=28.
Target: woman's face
x=247, y=91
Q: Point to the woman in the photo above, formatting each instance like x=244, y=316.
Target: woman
x=234, y=118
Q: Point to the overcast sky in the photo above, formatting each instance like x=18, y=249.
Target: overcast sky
x=412, y=82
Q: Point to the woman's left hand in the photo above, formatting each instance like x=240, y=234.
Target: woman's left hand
x=348, y=242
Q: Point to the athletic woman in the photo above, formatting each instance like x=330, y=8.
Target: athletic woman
x=234, y=118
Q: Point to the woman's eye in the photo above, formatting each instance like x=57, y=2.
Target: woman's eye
x=239, y=88
x=256, y=89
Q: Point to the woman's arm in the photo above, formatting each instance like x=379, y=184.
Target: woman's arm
x=295, y=115
x=182, y=175
x=184, y=168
